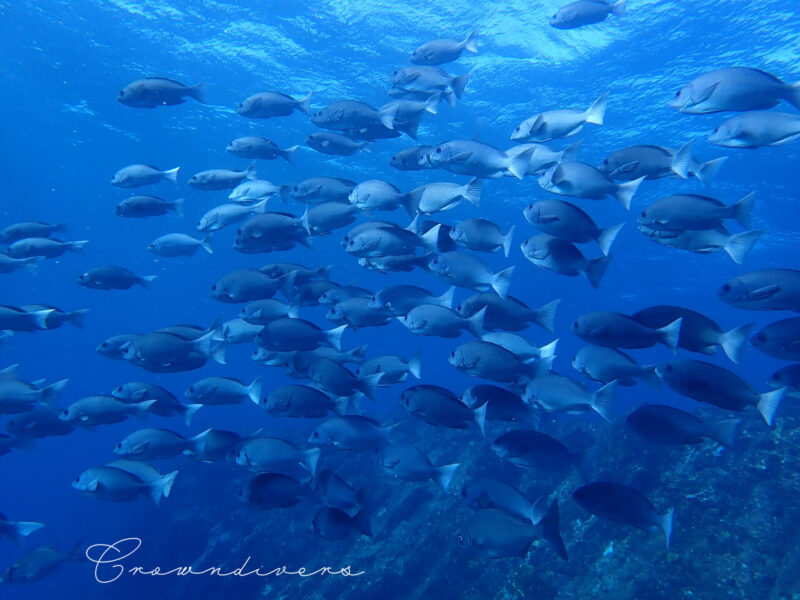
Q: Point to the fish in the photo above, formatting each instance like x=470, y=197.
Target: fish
x=13, y=530
x=344, y=115
x=715, y=385
x=414, y=158
x=254, y=147
x=734, y=89
x=375, y=194
x=440, y=321
x=490, y=361
x=520, y=346
x=481, y=235
x=166, y=404
x=29, y=229
x=408, y=463
x=557, y=393
x=655, y=162
x=509, y=313
x=318, y=190
x=623, y=504
x=163, y=352
x=125, y=480
x=338, y=381
x=251, y=190
x=270, y=231
x=482, y=493
x=780, y=339
x=333, y=524
x=401, y=299
x=496, y=534
x=151, y=444
x=788, y=377
x=673, y=426
x=216, y=445
x=40, y=562
x=586, y=12
x=405, y=115
x=274, y=455
x=43, y=247
x=563, y=257
x=554, y=124
x=393, y=369
x=17, y=396
x=336, y=492
x=501, y=404
x=692, y=211
x=138, y=175
x=334, y=144
x=288, y=334
x=238, y=331
x=440, y=407
x=56, y=317
x=756, y=129
x=179, y=244
x=245, y=285
x=440, y=51
x=151, y=92
x=350, y=432
x=272, y=490
x=301, y=401
x=261, y=312
x=265, y=105
x=580, y=180
x=540, y=157
x=707, y=241
x=223, y=390
x=227, y=214
x=221, y=179
x=326, y=218
x=430, y=80
x=103, y=410
x=605, y=365
x=438, y=197
x=699, y=333
x=468, y=271
x=543, y=455
x=470, y=157
x=113, y=278
x=40, y=422
x=566, y=221
x=764, y=289
x=615, y=330
x=141, y=207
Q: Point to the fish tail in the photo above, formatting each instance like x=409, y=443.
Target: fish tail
x=162, y=486
x=650, y=377
x=472, y=192
x=597, y=111
x=670, y=334
x=793, y=96
x=733, y=342
x=604, y=400
x=288, y=154
x=172, y=174
x=618, y=8
x=334, y=336
x=76, y=317
x=305, y=104
x=724, y=432
x=415, y=365
x=311, y=460
x=595, y=269
x=471, y=42
x=146, y=280
x=682, y=160
x=198, y=92
x=502, y=281
x=444, y=475
x=742, y=211
x=189, y=411
x=459, y=84
x=666, y=524
x=548, y=350
x=546, y=315
x=607, y=237
x=177, y=206
x=708, y=171
x=446, y=299
x=768, y=404
x=205, y=243
x=626, y=190
x=549, y=527
x=254, y=391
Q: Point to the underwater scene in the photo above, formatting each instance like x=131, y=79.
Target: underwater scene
x=400, y=300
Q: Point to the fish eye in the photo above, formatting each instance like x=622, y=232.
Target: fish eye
x=761, y=337
x=119, y=446
x=605, y=161
x=436, y=261
x=438, y=151
x=669, y=368
x=726, y=287
x=678, y=93
x=191, y=389
x=644, y=213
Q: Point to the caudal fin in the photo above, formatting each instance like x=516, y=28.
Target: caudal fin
x=479, y=416
x=77, y=246
x=742, y=211
x=549, y=528
x=666, y=524
x=288, y=154
x=518, y=165
x=595, y=269
x=475, y=323
x=459, y=84
x=793, y=96
x=250, y=172
x=471, y=43
x=734, y=341
x=739, y=245
x=415, y=365
x=708, y=171
x=446, y=299
x=625, y=192
x=334, y=336
x=444, y=475
x=546, y=315
x=198, y=92
x=618, y=8
x=570, y=153
x=25, y=528
x=650, y=377
x=305, y=104
x=604, y=400
x=768, y=404
x=724, y=431
x=472, y=192
x=177, y=206
x=670, y=335
x=172, y=174
x=548, y=350
x=597, y=111
x=76, y=317
x=146, y=280
x=507, y=238
x=502, y=281
x=607, y=237
x=50, y=394
x=205, y=244
x=254, y=391
x=162, y=487
x=682, y=160
x=188, y=411
x=369, y=385
x=311, y=460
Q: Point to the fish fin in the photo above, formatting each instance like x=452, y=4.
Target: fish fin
x=305, y=103
x=334, y=336
x=198, y=92
x=410, y=202
x=502, y=281
x=518, y=165
x=768, y=404
x=260, y=207
x=671, y=335
x=250, y=171
x=480, y=417
x=472, y=192
x=25, y=528
x=76, y=317
x=708, y=170
x=446, y=299
x=77, y=246
x=177, y=206
x=387, y=118
x=734, y=341
x=541, y=367
x=570, y=153
x=369, y=385
x=205, y=244
x=32, y=263
x=607, y=237
x=189, y=411
x=549, y=527
x=341, y=404
x=475, y=323
x=254, y=391
x=538, y=510
x=682, y=160
x=430, y=239
x=50, y=394
x=650, y=377
x=604, y=399
x=362, y=523
x=359, y=353
x=10, y=373
x=625, y=192
x=742, y=211
x=410, y=127
x=288, y=154
x=294, y=309
x=142, y=408
x=666, y=524
x=146, y=280
x=444, y=475
x=548, y=350
x=596, y=112
x=471, y=43
x=459, y=84
x=162, y=486
x=218, y=353
x=311, y=460
x=546, y=315
x=432, y=103
x=414, y=225
x=172, y=174
x=415, y=365
x=724, y=432
x=507, y=238
x=595, y=269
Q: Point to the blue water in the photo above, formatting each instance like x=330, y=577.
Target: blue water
x=64, y=136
